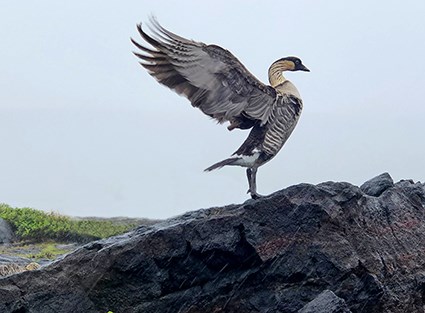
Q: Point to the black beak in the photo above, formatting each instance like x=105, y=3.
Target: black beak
x=302, y=67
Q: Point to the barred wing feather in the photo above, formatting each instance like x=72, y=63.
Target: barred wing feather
x=212, y=78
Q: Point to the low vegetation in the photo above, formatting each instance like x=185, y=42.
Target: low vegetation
x=48, y=251
x=35, y=225
x=36, y=251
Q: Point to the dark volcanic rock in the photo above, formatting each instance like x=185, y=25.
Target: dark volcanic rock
x=377, y=185
x=305, y=247
x=6, y=233
x=8, y=259
x=326, y=302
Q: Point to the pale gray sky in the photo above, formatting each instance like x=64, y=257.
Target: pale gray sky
x=84, y=130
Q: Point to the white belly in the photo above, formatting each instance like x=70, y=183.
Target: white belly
x=247, y=160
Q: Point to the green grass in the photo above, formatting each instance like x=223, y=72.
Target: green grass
x=36, y=251
x=30, y=224
x=48, y=251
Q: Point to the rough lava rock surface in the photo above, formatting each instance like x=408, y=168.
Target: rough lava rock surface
x=308, y=247
x=6, y=233
x=377, y=185
x=326, y=302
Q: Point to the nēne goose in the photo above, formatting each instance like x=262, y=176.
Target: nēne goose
x=217, y=83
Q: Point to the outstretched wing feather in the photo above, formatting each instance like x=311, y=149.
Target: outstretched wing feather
x=212, y=78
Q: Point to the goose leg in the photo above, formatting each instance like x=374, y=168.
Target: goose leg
x=251, y=174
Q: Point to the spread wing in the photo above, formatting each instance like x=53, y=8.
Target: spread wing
x=212, y=78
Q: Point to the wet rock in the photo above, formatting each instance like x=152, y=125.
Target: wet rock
x=6, y=232
x=326, y=302
x=7, y=259
x=377, y=185
x=308, y=246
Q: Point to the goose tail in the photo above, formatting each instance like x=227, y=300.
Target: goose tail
x=218, y=165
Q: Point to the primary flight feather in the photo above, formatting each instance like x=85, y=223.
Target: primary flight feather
x=217, y=83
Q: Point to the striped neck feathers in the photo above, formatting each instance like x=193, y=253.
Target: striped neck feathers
x=276, y=70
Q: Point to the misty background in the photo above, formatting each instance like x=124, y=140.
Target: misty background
x=85, y=131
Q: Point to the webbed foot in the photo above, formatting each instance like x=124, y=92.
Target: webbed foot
x=254, y=195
